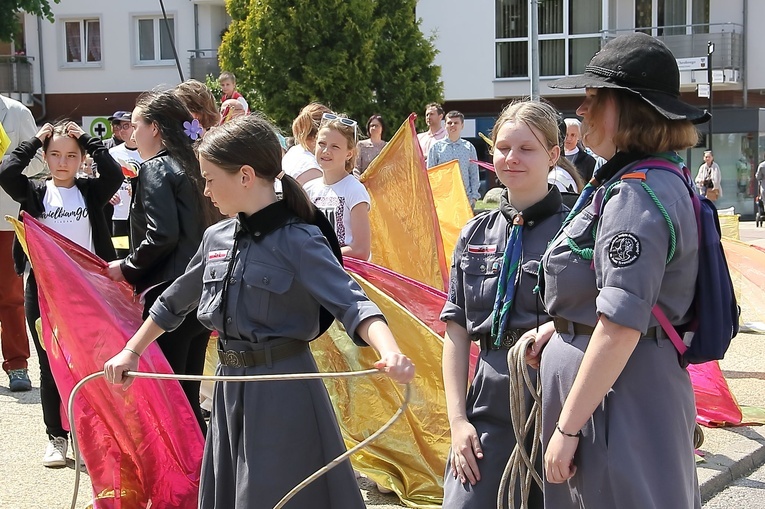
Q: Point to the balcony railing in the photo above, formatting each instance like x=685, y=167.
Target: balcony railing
x=687, y=41
x=203, y=62
x=16, y=74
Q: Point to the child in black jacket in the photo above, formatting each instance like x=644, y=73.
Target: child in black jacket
x=72, y=206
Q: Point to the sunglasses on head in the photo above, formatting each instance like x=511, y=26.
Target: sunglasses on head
x=349, y=122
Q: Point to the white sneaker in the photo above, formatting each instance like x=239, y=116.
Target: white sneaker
x=55, y=452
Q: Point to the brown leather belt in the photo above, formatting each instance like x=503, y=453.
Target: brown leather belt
x=563, y=326
x=263, y=354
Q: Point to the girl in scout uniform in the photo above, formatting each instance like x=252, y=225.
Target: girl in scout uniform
x=268, y=281
x=492, y=301
x=618, y=408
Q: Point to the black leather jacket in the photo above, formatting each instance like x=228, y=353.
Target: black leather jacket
x=166, y=224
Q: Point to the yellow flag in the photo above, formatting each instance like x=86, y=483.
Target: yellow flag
x=452, y=206
x=5, y=141
x=406, y=237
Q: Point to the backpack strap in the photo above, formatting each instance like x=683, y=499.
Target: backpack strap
x=640, y=174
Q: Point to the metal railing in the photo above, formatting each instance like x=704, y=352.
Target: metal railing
x=203, y=62
x=16, y=74
x=687, y=41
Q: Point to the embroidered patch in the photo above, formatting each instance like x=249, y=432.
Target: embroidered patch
x=217, y=255
x=624, y=249
x=481, y=249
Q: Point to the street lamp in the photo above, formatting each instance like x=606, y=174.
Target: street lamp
x=710, y=50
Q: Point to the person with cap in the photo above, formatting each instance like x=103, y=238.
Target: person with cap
x=618, y=409
x=120, y=123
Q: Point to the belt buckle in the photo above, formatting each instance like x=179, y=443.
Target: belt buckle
x=231, y=358
x=511, y=338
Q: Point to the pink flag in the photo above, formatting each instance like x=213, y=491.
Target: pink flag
x=142, y=447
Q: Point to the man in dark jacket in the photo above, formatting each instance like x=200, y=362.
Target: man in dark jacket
x=118, y=120
x=574, y=150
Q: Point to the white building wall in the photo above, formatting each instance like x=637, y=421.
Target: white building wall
x=755, y=45
x=464, y=37
x=119, y=70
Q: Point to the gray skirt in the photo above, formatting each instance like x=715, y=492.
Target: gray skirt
x=488, y=409
x=636, y=451
x=266, y=437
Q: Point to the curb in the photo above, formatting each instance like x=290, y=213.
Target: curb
x=729, y=474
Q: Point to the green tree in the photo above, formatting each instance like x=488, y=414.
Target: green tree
x=356, y=56
x=405, y=78
x=10, y=9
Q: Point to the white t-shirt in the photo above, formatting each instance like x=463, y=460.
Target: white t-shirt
x=298, y=160
x=67, y=214
x=336, y=202
x=130, y=160
x=562, y=180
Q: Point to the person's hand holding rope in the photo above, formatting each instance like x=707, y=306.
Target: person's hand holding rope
x=397, y=366
x=114, y=369
x=541, y=337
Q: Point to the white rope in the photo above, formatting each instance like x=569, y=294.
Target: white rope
x=244, y=378
x=520, y=466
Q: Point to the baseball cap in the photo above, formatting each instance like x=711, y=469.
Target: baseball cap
x=121, y=116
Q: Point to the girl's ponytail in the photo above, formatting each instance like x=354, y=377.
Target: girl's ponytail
x=296, y=199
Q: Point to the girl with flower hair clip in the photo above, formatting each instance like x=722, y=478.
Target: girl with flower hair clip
x=168, y=215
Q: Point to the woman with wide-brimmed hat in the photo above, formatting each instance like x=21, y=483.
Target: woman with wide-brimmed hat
x=618, y=408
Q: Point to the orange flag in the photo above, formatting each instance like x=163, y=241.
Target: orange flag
x=406, y=236
x=452, y=206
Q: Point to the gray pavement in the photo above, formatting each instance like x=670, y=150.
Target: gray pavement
x=730, y=454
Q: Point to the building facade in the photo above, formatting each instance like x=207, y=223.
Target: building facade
x=94, y=60
x=485, y=57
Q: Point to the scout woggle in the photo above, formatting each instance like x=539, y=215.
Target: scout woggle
x=241, y=378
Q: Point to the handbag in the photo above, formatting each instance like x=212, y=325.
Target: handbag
x=713, y=194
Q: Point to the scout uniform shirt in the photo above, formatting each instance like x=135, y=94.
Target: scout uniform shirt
x=284, y=272
x=629, y=242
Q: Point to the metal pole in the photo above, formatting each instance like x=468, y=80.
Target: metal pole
x=710, y=50
x=172, y=40
x=534, y=41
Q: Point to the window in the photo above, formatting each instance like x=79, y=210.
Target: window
x=153, y=42
x=677, y=15
x=569, y=35
x=82, y=42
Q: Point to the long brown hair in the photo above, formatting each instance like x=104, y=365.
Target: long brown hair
x=199, y=101
x=168, y=113
x=252, y=140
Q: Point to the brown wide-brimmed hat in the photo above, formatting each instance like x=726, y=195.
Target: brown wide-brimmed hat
x=642, y=65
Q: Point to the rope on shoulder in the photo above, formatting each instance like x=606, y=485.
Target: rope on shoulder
x=520, y=466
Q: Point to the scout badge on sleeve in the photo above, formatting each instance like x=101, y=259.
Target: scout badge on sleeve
x=708, y=336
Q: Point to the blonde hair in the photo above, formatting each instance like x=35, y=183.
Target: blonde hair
x=536, y=115
x=640, y=127
x=306, y=124
x=350, y=133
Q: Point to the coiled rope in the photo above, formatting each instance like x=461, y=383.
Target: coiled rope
x=520, y=466
x=244, y=378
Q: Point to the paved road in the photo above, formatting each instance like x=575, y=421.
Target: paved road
x=746, y=493
x=26, y=484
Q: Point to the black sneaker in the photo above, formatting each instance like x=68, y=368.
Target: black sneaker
x=19, y=380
